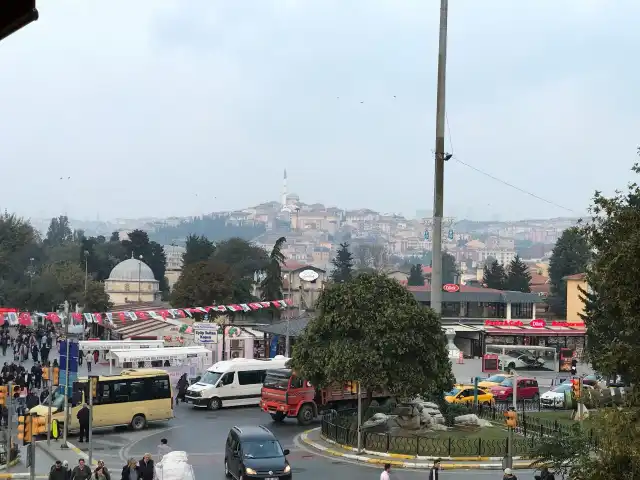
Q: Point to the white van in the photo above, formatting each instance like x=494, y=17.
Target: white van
x=232, y=383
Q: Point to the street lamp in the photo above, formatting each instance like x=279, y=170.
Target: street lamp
x=140, y=279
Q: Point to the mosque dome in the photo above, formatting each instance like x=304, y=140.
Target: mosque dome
x=293, y=197
x=132, y=270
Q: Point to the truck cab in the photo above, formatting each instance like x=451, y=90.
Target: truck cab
x=286, y=395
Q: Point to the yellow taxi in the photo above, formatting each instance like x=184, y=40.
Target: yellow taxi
x=465, y=394
x=494, y=380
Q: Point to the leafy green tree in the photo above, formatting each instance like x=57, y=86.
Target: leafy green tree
x=449, y=268
x=494, y=276
x=570, y=255
x=342, y=265
x=59, y=232
x=372, y=330
x=204, y=283
x=271, y=285
x=244, y=257
x=416, y=277
x=518, y=276
x=197, y=249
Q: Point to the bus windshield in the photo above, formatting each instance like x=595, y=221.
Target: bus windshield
x=278, y=379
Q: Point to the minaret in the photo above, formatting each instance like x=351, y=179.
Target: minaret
x=284, y=189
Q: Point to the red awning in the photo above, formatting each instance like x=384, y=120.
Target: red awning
x=537, y=332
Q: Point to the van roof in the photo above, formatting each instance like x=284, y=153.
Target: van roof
x=266, y=363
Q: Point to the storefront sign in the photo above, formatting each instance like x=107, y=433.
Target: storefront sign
x=451, y=287
x=538, y=323
x=567, y=324
x=503, y=323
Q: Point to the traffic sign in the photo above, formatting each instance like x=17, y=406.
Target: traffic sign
x=73, y=356
x=205, y=333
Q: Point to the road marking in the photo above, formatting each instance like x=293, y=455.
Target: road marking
x=124, y=451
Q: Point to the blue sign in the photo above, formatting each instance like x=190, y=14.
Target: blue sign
x=426, y=235
x=273, y=348
x=73, y=357
x=73, y=376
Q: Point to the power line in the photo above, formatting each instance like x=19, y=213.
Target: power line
x=493, y=177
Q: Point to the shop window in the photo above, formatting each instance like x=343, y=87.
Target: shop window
x=450, y=309
x=522, y=310
x=127, y=287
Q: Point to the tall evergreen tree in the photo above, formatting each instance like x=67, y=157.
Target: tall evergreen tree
x=342, y=265
x=197, y=249
x=570, y=255
x=449, y=269
x=494, y=276
x=416, y=277
x=271, y=285
x=59, y=232
x=518, y=276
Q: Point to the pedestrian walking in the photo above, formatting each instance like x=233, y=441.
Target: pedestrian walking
x=386, y=472
x=101, y=472
x=130, y=470
x=163, y=448
x=433, y=472
x=58, y=472
x=83, y=419
x=80, y=357
x=81, y=472
x=183, y=385
x=508, y=475
x=65, y=465
x=89, y=358
x=146, y=468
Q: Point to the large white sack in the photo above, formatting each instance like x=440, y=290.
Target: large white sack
x=174, y=466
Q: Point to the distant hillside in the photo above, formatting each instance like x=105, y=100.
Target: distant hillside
x=215, y=229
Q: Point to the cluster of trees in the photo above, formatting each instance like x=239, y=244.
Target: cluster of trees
x=515, y=277
x=369, y=328
x=225, y=272
x=216, y=229
x=607, y=249
x=39, y=274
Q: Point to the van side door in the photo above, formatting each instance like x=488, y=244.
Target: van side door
x=226, y=389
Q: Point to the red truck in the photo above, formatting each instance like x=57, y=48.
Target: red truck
x=285, y=395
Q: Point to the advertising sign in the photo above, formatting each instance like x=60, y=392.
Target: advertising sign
x=451, y=287
x=538, y=323
x=490, y=363
x=205, y=333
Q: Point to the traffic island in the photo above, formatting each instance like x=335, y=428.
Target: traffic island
x=316, y=441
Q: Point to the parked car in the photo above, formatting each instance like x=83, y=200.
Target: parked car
x=527, y=390
x=255, y=452
x=466, y=393
x=555, y=398
x=494, y=380
x=515, y=361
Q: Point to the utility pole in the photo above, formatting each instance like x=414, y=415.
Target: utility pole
x=93, y=381
x=65, y=430
x=440, y=158
x=139, y=279
x=287, y=340
x=9, y=416
x=32, y=447
x=50, y=397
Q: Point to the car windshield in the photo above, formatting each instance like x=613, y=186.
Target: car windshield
x=277, y=379
x=266, y=449
x=496, y=379
x=453, y=392
x=507, y=383
x=561, y=388
x=210, y=378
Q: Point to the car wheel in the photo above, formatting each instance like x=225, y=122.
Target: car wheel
x=138, y=422
x=278, y=417
x=227, y=473
x=511, y=366
x=215, y=404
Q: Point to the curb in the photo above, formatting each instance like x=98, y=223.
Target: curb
x=20, y=475
x=72, y=447
x=304, y=437
x=12, y=463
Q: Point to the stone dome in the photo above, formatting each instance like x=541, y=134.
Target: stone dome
x=132, y=270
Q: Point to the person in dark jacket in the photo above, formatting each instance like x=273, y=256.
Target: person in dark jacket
x=81, y=472
x=146, y=468
x=130, y=470
x=83, y=419
x=183, y=385
x=58, y=472
x=433, y=472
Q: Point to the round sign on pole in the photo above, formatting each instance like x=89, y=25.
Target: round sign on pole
x=308, y=275
x=451, y=287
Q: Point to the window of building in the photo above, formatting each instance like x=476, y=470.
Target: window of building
x=522, y=310
x=126, y=287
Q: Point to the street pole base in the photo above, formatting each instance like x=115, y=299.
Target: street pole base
x=64, y=445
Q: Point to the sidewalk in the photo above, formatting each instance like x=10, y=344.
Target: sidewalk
x=55, y=452
x=312, y=438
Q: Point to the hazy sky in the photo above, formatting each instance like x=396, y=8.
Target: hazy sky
x=176, y=107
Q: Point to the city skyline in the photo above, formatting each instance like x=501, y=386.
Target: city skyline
x=176, y=115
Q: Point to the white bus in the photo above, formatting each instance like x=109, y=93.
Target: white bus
x=233, y=383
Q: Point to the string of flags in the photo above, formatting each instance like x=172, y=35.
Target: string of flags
x=15, y=317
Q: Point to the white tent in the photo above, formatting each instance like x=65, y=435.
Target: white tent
x=174, y=356
x=104, y=345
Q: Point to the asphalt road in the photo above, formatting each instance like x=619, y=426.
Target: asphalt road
x=202, y=434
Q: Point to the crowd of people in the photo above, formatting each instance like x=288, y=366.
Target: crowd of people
x=144, y=469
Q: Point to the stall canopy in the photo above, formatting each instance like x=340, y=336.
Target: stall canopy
x=162, y=354
x=535, y=328
x=104, y=345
